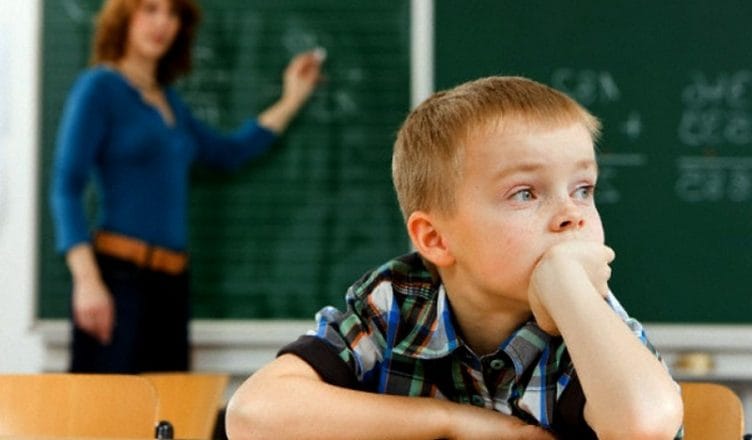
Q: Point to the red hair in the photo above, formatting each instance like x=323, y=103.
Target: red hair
x=111, y=35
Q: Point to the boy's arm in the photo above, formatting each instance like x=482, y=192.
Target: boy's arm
x=288, y=400
x=629, y=392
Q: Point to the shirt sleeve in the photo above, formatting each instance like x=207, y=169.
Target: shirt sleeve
x=83, y=127
x=355, y=336
x=227, y=151
x=634, y=325
x=324, y=359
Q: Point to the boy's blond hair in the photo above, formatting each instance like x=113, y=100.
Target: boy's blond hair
x=428, y=152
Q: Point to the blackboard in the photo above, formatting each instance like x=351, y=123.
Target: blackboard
x=288, y=233
x=672, y=83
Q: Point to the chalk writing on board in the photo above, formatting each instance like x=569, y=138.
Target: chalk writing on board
x=714, y=179
x=209, y=88
x=297, y=37
x=337, y=104
x=593, y=87
x=632, y=125
x=609, y=166
x=587, y=86
x=217, y=54
x=202, y=87
x=76, y=12
x=717, y=109
x=597, y=87
x=81, y=16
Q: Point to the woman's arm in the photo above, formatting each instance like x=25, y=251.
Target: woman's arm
x=83, y=127
x=298, y=82
x=93, y=309
x=256, y=136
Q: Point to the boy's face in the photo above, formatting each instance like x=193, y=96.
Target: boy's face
x=523, y=189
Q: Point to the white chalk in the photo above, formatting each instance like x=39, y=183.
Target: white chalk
x=320, y=54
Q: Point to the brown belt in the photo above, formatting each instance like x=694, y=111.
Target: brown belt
x=140, y=253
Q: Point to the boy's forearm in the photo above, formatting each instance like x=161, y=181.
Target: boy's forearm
x=629, y=392
x=275, y=405
x=287, y=400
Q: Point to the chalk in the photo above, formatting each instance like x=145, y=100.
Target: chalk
x=320, y=54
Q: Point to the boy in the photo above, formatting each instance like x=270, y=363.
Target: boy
x=497, y=327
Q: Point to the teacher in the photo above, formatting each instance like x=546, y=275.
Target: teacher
x=128, y=130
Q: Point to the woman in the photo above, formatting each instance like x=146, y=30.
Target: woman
x=124, y=124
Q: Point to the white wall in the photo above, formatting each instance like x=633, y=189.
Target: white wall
x=20, y=349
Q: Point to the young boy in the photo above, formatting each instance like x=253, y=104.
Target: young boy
x=502, y=325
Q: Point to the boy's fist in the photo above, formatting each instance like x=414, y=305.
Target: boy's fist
x=572, y=267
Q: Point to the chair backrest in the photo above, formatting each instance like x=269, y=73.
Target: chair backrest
x=711, y=412
x=80, y=405
x=190, y=401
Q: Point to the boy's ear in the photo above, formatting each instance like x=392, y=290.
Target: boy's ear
x=428, y=240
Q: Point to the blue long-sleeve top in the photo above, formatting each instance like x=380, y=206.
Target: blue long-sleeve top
x=139, y=163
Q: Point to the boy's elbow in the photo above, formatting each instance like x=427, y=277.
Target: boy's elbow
x=239, y=420
x=244, y=417
x=662, y=419
x=650, y=421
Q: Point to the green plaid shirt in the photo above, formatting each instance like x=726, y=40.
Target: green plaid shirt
x=398, y=337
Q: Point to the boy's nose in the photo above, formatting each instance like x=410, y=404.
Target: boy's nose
x=569, y=217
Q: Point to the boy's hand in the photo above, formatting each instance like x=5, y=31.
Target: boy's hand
x=571, y=267
x=473, y=423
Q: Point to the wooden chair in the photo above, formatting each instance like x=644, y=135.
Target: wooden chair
x=77, y=405
x=711, y=412
x=190, y=401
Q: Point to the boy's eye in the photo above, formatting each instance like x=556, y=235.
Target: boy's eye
x=584, y=192
x=523, y=195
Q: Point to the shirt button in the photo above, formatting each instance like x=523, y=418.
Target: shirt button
x=478, y=400
x=497, y=364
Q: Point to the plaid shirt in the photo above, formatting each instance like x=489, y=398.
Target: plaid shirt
x=398, y=337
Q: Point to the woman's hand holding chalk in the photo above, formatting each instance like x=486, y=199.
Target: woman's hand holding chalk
x=320, y=54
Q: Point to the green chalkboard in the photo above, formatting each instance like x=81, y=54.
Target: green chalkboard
x=288, y=233
x=672, y=82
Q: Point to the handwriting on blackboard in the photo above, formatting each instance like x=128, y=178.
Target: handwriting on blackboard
x=714, y=179
x=609, y=169
x=593, y=87
x=717, y=109
x=587, y=86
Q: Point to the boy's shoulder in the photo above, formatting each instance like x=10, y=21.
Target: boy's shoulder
x=401, y=306
x=404, y=276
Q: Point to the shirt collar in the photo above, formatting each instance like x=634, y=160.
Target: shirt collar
x=523, y=346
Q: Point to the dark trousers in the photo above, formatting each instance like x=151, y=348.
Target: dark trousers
x=151, y=323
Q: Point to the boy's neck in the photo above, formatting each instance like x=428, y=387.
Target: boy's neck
x=485, y=326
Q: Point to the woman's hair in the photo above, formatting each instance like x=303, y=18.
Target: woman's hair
x=429, y=150
x=111, y=35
